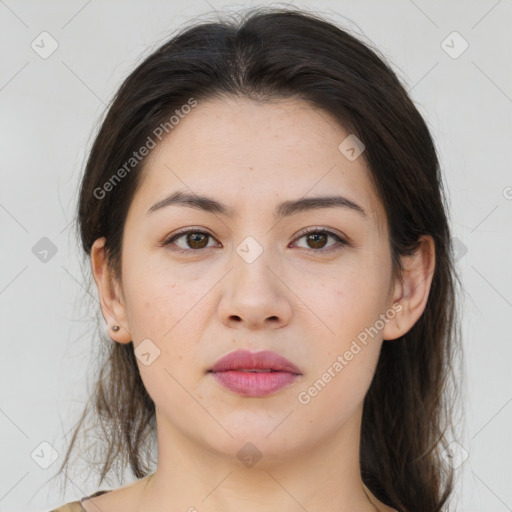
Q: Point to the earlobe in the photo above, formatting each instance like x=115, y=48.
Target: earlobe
x=412, y=289
x=109, y=293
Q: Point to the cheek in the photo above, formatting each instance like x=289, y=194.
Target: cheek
x=346, y=352
x=170, y=315
x=350, y=301
x=170, y=310
x=159, y=298
x=342, y=363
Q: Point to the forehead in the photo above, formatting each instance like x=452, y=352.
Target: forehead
x=245, y=152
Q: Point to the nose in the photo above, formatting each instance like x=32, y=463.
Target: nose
x=254, y=295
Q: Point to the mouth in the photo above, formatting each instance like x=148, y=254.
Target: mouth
x=257, y=362
x=255, y=371
x=254, y=374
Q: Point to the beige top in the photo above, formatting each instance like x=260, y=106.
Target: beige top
x=76, y=506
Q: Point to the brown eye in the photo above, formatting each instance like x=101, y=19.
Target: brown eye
x=197, y=240
x=316, y=240
x=193, y=240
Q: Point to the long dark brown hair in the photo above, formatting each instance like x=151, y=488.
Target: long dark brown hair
x=267, y=53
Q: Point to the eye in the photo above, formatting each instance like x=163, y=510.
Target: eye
x=318, y=237
x=193, y=238
x=196, y=240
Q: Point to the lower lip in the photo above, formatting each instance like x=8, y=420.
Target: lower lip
x=253, y=383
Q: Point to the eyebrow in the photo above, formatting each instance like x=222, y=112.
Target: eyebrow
x=284, y=209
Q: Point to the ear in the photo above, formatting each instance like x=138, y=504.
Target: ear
x=412, y=290
x=110, y=294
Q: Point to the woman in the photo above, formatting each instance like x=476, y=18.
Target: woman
x=264, y=213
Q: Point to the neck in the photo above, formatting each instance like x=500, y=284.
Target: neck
x=263, y=478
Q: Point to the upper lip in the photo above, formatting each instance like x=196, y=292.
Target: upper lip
x=263, y=360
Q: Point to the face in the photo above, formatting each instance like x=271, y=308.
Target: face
x=248, y=279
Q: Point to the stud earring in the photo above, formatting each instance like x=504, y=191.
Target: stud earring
x=115, y=328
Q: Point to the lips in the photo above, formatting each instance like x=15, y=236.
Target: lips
x=263, y=361
x=254, y=374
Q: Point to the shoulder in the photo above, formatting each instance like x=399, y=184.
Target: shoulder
x=76, y=506
x=69, y=507
x=107, y=500
x=379, y=505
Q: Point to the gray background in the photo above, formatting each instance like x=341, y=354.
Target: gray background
x=49, y=111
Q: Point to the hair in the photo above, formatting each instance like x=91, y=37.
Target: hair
x=267, y=54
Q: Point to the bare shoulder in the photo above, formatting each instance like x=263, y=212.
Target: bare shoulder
x=380, y=506
x=69, y=507
x=384, y=508
x=125, y=498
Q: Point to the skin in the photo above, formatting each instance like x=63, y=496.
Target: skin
x=307, y=306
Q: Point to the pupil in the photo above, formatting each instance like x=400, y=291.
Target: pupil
x=316, y=235
x=196, y=238
x=315, y=238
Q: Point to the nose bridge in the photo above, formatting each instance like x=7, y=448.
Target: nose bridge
x=252, y=294
x=251, y=260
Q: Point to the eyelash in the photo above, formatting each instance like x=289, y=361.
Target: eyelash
x=308, y=231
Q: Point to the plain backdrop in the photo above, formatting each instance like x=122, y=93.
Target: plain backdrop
x=454, y=59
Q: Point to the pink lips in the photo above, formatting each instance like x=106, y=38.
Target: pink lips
x=275, y=372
